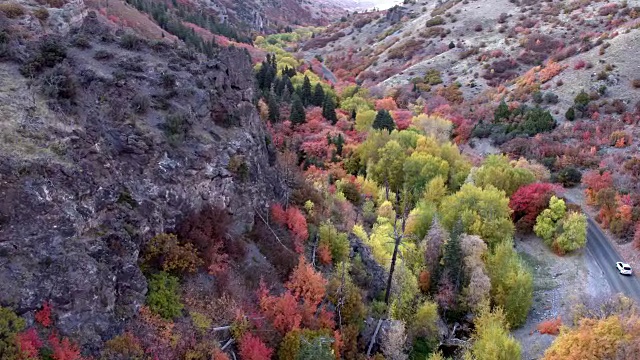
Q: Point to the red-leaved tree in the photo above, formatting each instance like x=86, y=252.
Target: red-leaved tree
x=297, y=223
x=278, y=214
x=595, y=182
x=283, y=310
x=402, y=118
x=529, y=201
x=64, y=349
x=29, y=344
x=252, y=348
x=43, y=316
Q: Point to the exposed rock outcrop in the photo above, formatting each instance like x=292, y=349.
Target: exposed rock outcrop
x=131, y=137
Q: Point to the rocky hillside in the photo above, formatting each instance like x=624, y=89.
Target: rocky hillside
x=262, y=15
x=480, y=44
x=107, y=140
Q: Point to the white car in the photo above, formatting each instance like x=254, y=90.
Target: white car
x=624, y=269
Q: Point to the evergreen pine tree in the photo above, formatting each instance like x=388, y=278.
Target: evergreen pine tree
x=339, y=144
x=384, y=120
x=288, y=84
x=279, y=86
x=305, y=92
x=502, y=112
x=262, y=75
x=570, y=114
x=452, y=257
x=273, y=62
x=286, y=95
x=329, y=110
x=318, y=96
x=274, y=108
x=298, y=115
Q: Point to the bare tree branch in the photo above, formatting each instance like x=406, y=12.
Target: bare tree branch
x=273, y=232
x=373, y=338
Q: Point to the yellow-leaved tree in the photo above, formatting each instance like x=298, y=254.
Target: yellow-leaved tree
x=492, y=340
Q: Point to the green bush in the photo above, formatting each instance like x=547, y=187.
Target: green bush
x=51, y=53
x=435, y=21
x=306, y=344
x=336, y=241
x=551, y=98
x=81, y=41
x=433, y=77
x=176, y=127
x=163, y=297
x=537, y=97
x=238, y=166
x=569, y=177
x=570, y=115
x=537, y=120
x=165, y=252
x=422, y=348
x=121, y=347
x=131, y=42
x=351, y=193
x=10, y=326
x=581, y=101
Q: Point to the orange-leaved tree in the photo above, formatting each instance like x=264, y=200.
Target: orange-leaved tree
x=300, y=304
x=598, y=339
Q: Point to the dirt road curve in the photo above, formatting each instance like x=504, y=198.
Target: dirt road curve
x=599, y=247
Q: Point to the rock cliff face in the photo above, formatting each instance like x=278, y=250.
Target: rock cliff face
x=107, y=146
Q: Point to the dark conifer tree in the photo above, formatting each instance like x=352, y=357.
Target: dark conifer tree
x=384, y=120
x=329, y=110
x=274, y=108
x=339, y=144
x=305, y=91
x=452, y=257
x=286, y=95
x=287, y=83
x=298, y=115
x=318, y=96
x=278, y=86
